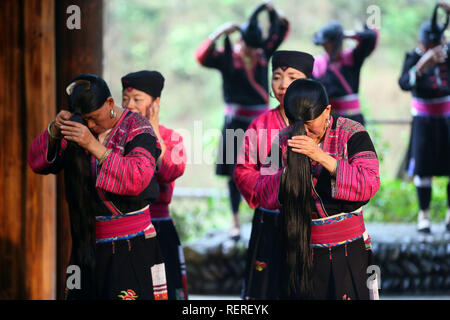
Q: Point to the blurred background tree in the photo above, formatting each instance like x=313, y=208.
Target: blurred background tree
x=163, y=35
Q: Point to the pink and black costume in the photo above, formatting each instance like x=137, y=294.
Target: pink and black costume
x=261, y=278
x=245, y=91
x=340, y=244
x=341, y=76
x=123, y=261
x=171, y=166
x=429, y=145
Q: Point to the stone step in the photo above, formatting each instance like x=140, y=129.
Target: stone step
x=409, y=261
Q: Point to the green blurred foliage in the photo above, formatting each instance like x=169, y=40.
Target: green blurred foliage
x=396, y=201
x=194, y=218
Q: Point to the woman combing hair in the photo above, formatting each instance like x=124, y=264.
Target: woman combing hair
x=329, y=171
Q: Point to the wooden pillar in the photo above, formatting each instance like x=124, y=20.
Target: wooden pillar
x=39, y=56
x=27, y=104
x=77, y=51
x=12, y=159
x=40, y=108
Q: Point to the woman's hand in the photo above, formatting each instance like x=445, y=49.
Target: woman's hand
x=432, y=57
x=227, y=28
x=307, y=146
x=444, y=5
x=269, y=5
x=153, y=117
x=78, y=133
x=62, y=116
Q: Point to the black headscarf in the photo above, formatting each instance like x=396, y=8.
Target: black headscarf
x=301, y=61
x=150, y=82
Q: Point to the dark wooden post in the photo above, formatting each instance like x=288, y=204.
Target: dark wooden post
x=77, y=51
x=12, y=159
x=40, y=106
x=39, y=56
x=27, y=103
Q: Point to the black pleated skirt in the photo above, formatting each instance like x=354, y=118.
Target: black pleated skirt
x=429, y=147
x=129, y=269
x=262, y=271
x=338, y=273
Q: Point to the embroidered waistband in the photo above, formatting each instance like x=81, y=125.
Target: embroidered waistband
x=126, y=226
x=338, y=229
x=430, y=107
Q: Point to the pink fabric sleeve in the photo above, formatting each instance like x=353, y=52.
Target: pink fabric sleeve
x=37, y=155
x=203, y=50
x=246, y=171
x=320, y=66
x=267, y=188
x=358, y=179
x=126, y=175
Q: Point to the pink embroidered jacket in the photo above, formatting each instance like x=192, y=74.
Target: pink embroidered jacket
x=127, y=171
x=254, y=150
x=357, y=177
x=173, y=164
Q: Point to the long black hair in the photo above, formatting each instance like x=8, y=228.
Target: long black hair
x=82, y=199
x=305, y=100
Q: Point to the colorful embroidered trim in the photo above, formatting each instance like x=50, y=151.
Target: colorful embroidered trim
x=260, y=265
x=128, y=295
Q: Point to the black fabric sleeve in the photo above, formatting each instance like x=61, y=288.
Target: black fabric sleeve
x=146, y=141
x=367, y=43
x=359, y=142
x=404, y=80
x=277, y=32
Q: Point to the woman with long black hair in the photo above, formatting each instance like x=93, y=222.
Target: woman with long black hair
x=329, y=171
x=108, y=155
x=261, y=279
